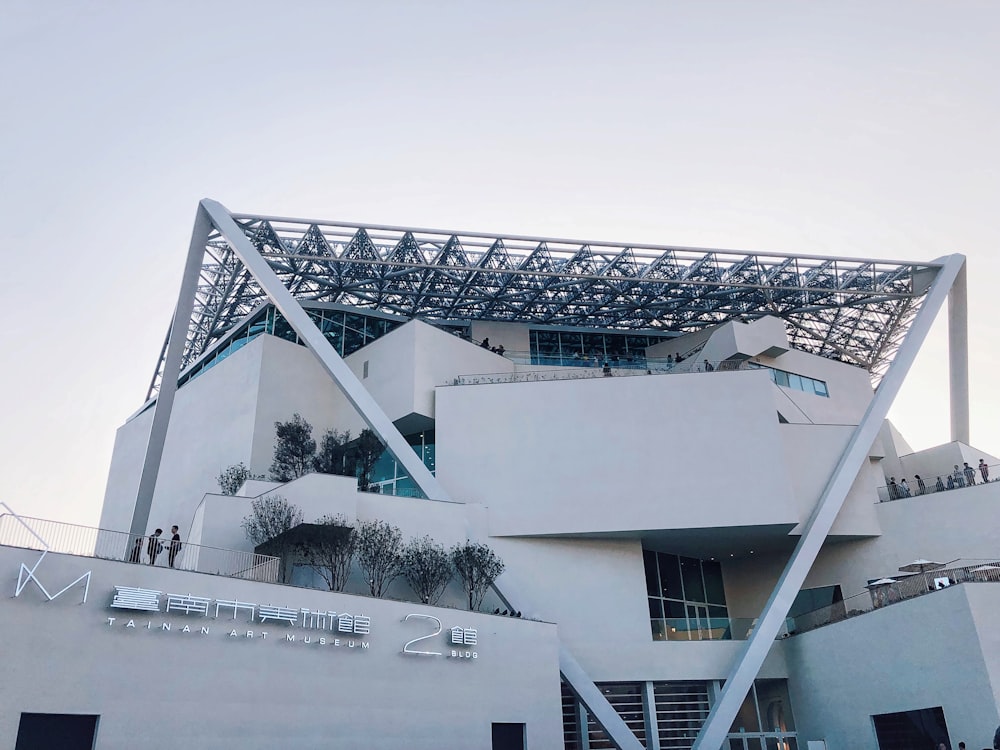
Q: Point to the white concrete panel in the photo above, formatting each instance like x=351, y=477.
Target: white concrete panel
x=161, y=689
x=123, y=475
x=609, y=454
x=811, y=454
x=921, y=653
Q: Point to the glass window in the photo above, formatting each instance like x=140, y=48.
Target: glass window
x=694, y=587
x=820, y=388
x=655, y=608
x=670, y=576
x=775, y=709
x=780, y=377
x=715, y=591
x=652, y=579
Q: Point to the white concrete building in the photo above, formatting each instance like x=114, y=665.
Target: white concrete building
x=691, y=543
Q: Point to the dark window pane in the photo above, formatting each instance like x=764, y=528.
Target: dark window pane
x=673, y=608
x=652, y=581
x=694, y=588
x=909, y=729
x=715, y=591
x=63, y=731
x=670, y=576
x=655, y=608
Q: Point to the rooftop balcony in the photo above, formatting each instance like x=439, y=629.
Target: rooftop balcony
x=84, y=541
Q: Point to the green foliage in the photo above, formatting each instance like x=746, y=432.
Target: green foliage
x=478, y=567
x=270, y=516
x=331, y=552
x=334, y=454
x=233, y=477
x=427, y=568
x=366, y=449
x=379, y=549
x=294, y=449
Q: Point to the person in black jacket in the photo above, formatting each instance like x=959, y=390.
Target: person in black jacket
x=154, y=547
x=175, y=546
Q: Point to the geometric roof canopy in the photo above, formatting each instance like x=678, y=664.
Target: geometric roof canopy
x=849, y=309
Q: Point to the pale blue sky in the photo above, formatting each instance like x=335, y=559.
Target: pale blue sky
x=852, y=128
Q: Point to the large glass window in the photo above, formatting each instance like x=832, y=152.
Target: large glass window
x=797, y=382
x=391, y=477
x=590, y=348
x=923, y=727
x=687, y=599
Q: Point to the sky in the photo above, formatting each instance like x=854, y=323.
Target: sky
x=848, y=128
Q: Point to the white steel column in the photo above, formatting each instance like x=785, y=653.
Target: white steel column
x=171, y=369
x=958, y=356
x=755, y=649
x=328, y=357
x=649, y=716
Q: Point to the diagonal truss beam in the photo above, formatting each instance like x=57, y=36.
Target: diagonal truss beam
x=753, y=652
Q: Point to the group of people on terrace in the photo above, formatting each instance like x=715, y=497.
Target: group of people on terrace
x=154, y=547
x=485, y=344
x=962, y=476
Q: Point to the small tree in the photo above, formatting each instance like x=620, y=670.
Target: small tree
x=294, y=449
x=379, y=548
x=478, y=566
x=331, y=552
x=270, y=516
x=427, y=568
x=366, y=450
x=233, y=477
x=334, y=454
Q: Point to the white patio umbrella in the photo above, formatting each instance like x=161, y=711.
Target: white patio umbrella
x=988, y=572
x=885, y=581
x=921, y=566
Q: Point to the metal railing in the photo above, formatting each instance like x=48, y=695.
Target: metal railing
x=582, y=372
x=883, y=595
x=957, y=480
x=105, y=544
x=703, y=629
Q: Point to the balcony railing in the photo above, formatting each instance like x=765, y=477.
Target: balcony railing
x=704, y=629
x=887, y=594
x=86, y=541
x=586, y=370
x=957, y=480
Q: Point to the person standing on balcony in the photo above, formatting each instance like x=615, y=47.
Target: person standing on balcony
x=175, y=546
x=904, y=488
x=984, y=470
x=136, y=554
x=921, y=487
x=970, y=474
x=893, y=489
x=939, y=485
x=957, y=476
x=154, y=547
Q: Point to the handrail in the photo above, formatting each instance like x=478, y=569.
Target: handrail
x=956, y=480
x=584, y=372
x=882, y=595
x=106, y=544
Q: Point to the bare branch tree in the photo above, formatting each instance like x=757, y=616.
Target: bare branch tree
x=379, y=547
x=331, y=551
x=294, y=449
x=478, y=566
x=270, y=516
x=233, y=477
x=427, y=568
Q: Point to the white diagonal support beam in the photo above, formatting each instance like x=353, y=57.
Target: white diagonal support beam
x=374, y=417
x=755, y=649
x=958, y=356
x=177, y=338
x=331, y=361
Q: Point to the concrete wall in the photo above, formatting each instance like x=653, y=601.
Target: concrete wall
x=612, y=454
x=156, y=689
x=935, y=650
